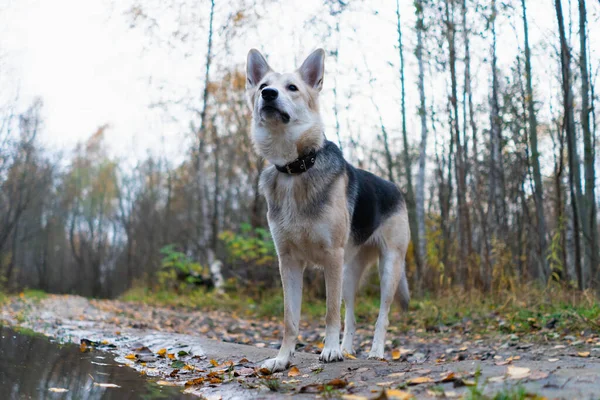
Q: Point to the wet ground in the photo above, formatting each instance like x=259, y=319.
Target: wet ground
x=33, y=366
x=171, y=347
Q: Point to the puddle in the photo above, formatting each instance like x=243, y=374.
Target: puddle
x=33, y=366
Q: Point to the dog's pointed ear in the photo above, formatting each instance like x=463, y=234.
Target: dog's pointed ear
x=313, y=69
x=256, y=68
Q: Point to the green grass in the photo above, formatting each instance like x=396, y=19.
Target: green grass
x=34, y=294
x=553, y=310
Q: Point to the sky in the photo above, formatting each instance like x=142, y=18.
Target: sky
x=90, y=67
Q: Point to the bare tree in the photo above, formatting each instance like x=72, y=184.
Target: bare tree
x=569, y=127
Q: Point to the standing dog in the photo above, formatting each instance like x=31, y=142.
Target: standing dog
x=321, y=210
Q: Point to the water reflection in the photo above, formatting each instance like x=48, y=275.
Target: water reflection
x=31, y=365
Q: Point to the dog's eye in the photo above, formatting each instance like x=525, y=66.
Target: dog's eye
x=292, y=88
x=264, y=85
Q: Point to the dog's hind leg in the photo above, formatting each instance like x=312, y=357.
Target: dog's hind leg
x=333, y=288
x=353, y=271
x=391, y=271
x=291, y=277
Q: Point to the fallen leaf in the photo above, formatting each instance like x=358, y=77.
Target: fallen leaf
x=177, y=364
x=161, y=352
x=517, y=372
x=189, y=367
x=245, y=372
x=420, y=380
x=553, y=359
x=496, y=379
x=338, y=383
x=216, y=380
x=396, y=354
x=398, y=394
x=167, y=383
x=265, y=371
x=537, y=375
x=583, y=354
x=385, y=384
x=449, y=378
x=106, y=385
x=243, y=361
x=353, y=397
x=214, y=362
x=396, y=375
x=58, y=390
x=171, y=356
x=197, y=381
x=130, y=356
x=349, y=356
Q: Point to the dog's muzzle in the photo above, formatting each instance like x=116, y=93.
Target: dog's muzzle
x=269, y=109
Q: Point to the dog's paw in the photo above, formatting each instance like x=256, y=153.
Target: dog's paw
x=348, y=348
x=331, y=355
x=376, y=353
x=275, y=364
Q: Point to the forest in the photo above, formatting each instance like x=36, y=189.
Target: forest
x=485, y=112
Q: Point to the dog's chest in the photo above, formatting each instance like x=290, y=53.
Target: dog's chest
x=303, y=218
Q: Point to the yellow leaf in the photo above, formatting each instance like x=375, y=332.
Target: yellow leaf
x=449, y=378
x=321, y=345
x=189, y=367
x=171, y=356
x=167, y=383
x=130, y=356
x=353, y=397
x=197, y=381
x=214, y=362
x=162, y=352
x=396, y=354
x=294, y=371
x=398, y=394
x=420, y=380
x=349, y=356
x=105, y=342
x=517, y=372
x=583, y=354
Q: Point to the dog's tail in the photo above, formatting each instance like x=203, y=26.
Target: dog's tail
x=403, y=292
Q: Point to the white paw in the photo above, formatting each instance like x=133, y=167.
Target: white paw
x=275, y=364
x=347, y=348
x=331, y=355
x=377, y=353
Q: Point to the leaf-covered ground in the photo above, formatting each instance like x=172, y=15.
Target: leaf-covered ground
x=508, y=352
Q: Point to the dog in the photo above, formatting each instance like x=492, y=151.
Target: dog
x=322, y=211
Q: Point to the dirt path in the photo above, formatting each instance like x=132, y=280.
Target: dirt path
x=426, y=367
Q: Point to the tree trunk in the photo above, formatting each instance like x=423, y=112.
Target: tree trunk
x=463, y=227
x=569, y=127
x=538, y=190
x=590, y=226
x=410, y=194
x=496, y=211
x=420, y=187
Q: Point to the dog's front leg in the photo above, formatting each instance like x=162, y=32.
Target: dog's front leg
x=291, y=277
x=333, y=288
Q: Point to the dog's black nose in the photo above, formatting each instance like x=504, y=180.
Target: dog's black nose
x=269, y=94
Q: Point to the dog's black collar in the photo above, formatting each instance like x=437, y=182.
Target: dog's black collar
x=299, y=165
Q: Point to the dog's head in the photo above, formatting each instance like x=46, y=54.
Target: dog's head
x=285, y=106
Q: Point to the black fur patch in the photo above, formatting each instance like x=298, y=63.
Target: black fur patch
x=372, y=200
